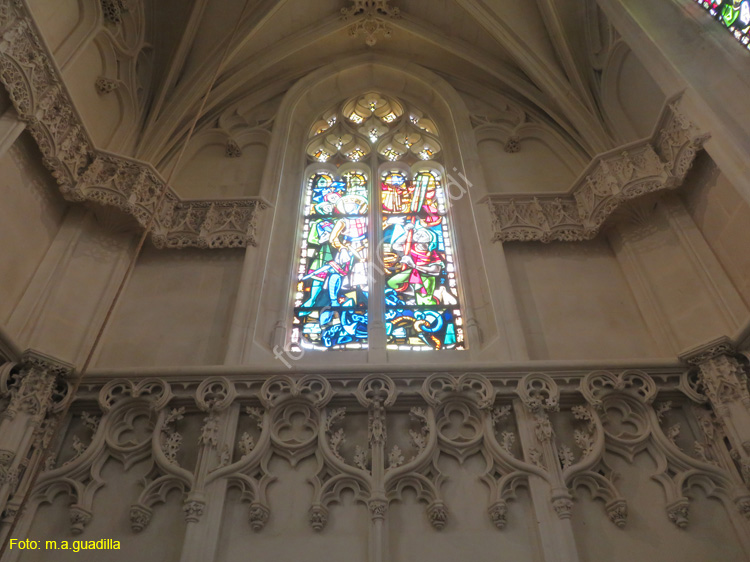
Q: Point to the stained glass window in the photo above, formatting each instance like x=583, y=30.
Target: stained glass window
x=421, y=289
x=415, y=265
x=733, y=14
x=330, y=308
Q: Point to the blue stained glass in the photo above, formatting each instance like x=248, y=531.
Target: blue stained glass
x=433, y=327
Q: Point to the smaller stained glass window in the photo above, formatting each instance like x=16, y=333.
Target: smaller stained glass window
x=733, y=14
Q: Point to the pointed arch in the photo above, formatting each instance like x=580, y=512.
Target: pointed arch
x=284, y=175
x=394, y=241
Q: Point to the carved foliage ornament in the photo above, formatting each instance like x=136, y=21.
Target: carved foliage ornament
x=370, y=19
x=722, y=379
x=298, y=418
x=512, y=144
x=105, y=85
x=609, y=181
x=8, y=473
x=140, y=517
x=39, y=387
x=193, y=510
x=79, y=518
x=87, y=174
x=233, y=149
x=112, y=10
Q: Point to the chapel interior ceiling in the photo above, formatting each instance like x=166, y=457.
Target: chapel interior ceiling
x=547, y=76
x=534, y=54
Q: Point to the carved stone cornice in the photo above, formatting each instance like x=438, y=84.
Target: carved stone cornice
x=85, y=173
x=611, y=179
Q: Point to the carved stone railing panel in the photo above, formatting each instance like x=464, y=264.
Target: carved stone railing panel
x=377, y=436
x=611, y=179
x=85, y=173
x=547, y=432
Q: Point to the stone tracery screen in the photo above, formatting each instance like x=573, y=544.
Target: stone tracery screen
x=409, y=260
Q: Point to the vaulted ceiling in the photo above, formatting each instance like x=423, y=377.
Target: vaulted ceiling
x=533, y=53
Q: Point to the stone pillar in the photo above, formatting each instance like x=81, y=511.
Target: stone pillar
x=551, y=500
x=33, y=388
x=11, y=128
x=723, y=380
x=204, y=505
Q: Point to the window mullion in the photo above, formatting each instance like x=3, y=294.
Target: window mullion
x=376, y=300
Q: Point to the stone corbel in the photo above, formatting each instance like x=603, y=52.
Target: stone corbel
x=679, y=512
x=85, y=173
x=611, y=179
x=140, y=517
x=193, y=510
x=79, y=518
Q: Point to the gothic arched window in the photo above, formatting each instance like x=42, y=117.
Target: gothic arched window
x=393, y=262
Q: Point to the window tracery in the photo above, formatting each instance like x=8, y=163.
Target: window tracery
x=367, y=139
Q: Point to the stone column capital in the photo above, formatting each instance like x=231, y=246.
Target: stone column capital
x=722, y=345
x=35, y=384
x=33, y=360
x=722, y=378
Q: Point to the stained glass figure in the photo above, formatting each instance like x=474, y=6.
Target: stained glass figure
x=733, y=14
x=332, y=289
x=421, y=294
